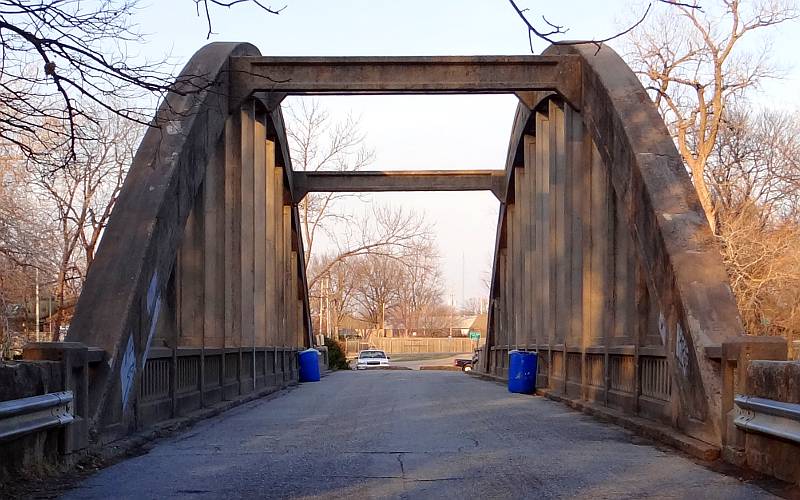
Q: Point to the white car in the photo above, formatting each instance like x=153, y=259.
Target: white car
x=371, y=358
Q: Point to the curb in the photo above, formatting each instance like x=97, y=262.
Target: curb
x=640, y=426
x=443, y=368
x=125, y=445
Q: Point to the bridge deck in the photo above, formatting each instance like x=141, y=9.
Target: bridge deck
x=408, y=434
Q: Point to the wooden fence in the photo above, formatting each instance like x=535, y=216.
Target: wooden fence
x=406, y=345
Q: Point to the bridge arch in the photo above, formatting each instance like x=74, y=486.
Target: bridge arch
x=624, y=292
x=604, y=262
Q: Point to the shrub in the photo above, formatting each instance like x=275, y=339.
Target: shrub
x=337, y=360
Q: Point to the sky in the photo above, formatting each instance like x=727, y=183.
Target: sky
x=424, y=132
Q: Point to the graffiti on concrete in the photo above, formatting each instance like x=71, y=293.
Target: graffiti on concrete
x=127, y=372
x=152, y=290
x=662, y=328
x=153, y=310
x=682, y=351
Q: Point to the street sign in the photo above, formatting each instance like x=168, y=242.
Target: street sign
x=474, y=335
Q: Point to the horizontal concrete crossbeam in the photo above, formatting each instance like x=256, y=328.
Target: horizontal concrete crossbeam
x=407, y=75
x=399, y=180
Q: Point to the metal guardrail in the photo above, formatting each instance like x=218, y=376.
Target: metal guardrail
x=23, y=416
x=766, y=416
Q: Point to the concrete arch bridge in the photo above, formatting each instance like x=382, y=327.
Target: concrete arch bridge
x=604, y=263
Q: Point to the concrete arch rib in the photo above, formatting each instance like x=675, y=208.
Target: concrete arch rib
x=668, y=228
x=653, y=196
x=140, y=243
x=662, y=206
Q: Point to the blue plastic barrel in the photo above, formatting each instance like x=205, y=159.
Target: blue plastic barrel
x=522, y=372
x=309, y=365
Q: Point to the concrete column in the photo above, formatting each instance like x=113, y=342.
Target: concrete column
x=247, y=225
x=288, y=299
x=587, y=219
x=271, y=228
x=233, y=239
x=509, y=277
x=295, y=303
x=501, y=337
x=260, y=244
x=559, y=250
x=518, y=257
x=529, y=220
x=543, y=236
x=576, y=170
x=214, y=254
x=191, y=279
x=279, y=279
x=624, y=276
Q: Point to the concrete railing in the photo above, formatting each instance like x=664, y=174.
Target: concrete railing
x=177, y=382
x=174, y=383
x=635, y=381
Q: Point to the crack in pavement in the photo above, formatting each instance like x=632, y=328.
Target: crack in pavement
x=402, y=467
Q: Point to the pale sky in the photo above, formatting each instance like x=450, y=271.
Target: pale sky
x=423, y=132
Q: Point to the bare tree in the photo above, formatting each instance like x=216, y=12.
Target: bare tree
x=377, y=279
x=82, y=196
x=318, y=143
x=420, y=287
x=695, y=65
x=763, y=263
x=24, y=248
x=334, y=293
x=554, y=33
x=62, y=59
x=379, y=230
x=474, y=306
x=437, y=320
x=756, y=164
x=754, y=173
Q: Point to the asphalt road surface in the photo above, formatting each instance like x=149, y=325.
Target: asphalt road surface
x=408, y=434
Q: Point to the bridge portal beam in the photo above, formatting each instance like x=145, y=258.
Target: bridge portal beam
x=406, y=75
x=399, y=180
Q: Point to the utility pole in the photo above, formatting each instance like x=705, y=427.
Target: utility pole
x=328, y=307
x=37, y=305
x=321, y=306
x=383, y=319
x=451, y=317
x=462, y=278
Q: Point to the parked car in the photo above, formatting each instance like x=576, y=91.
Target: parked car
x=464, y=364
x=371, y=358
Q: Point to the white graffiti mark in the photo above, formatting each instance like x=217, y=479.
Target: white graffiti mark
x=682, y=351
x=151, y=333
x=152, y=290
x=127, y=371
x=174, y=127
x=662, y=328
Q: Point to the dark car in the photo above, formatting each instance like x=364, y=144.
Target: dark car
x=463, y=363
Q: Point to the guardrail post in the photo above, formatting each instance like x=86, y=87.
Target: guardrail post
x=75, y=368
